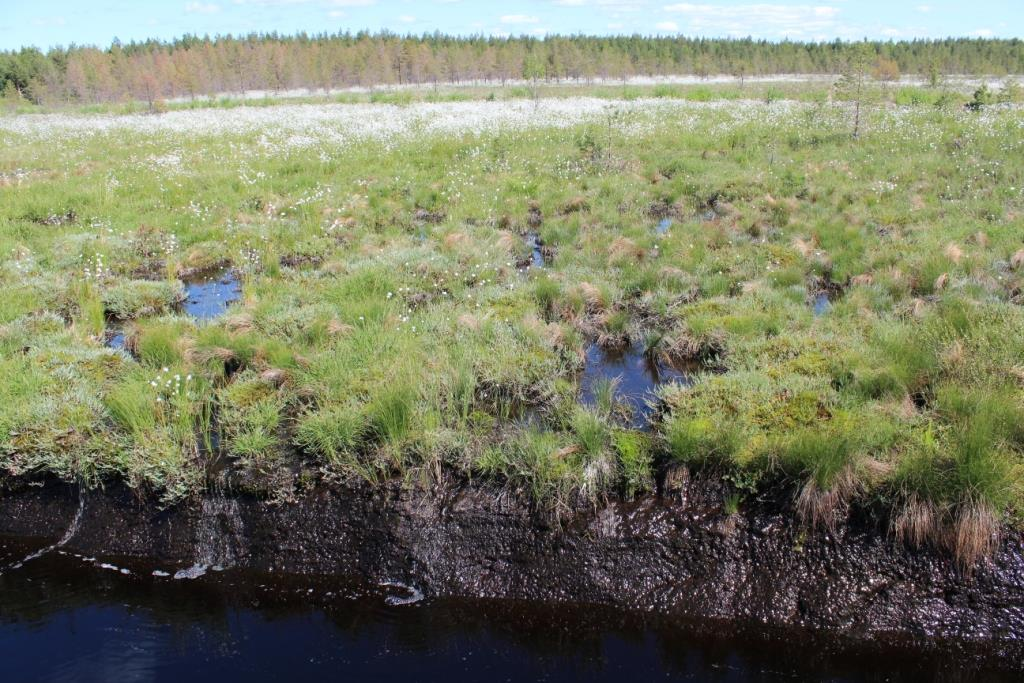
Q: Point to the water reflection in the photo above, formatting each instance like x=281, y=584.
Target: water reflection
x=822, y=304
x=636, y=378
x=209, y=294
x=63, y=619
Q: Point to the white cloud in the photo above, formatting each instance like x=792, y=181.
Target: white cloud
x=982, y=33
x=924, y=9
x=201, y=8
x=763, y=19
x=328, y=3
x=612, y=4
x=518, y=19
x=407, y=18
x=667, y=26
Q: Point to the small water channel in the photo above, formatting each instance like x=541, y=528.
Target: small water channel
x=66, y=618
x=536, y=250
x=821, y=304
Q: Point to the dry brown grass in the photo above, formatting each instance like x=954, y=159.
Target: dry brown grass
x=575, y=205
x=918, y=307
x=455, y=240
x=337, y=328
x=625, y=250
x=552, y=333
x=826, y=508
x=971, y=534
x=566, y=452
x=200, y=355
x=239, y=322
x=864, y=279
x=274, y=376
x=975, y=535
x=683, y=349
x=804, y=247
x=954, y=355
x=918, y=523
x=753, y=286
x=469, y=322
x=593, y=297
x=954, y=253
x=508, y=242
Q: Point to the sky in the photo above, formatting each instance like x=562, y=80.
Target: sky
x=48, y=23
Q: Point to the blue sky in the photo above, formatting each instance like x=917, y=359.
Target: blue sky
x=45, y=23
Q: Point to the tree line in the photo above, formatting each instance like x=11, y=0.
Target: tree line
x=194, y=66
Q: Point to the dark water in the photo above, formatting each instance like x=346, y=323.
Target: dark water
x=636, y=377
x=66, y=618
x=209, y=294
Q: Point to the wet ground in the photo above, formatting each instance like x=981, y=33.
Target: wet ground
x=636, y=379
x=71, y=618
x=209, y=294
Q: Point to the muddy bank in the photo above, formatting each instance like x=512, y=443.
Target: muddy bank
x=674, y=554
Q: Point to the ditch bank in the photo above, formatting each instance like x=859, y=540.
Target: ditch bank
x=675, y=554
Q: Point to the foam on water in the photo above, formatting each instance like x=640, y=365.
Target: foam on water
x=414, y=594
x=193, y=572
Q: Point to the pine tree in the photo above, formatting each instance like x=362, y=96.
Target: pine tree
x=851, y=84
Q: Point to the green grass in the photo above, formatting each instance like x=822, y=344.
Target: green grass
x=375, y=340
